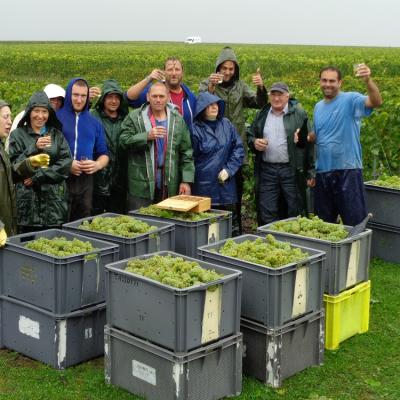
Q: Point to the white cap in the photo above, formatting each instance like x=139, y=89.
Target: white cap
x=53, y=91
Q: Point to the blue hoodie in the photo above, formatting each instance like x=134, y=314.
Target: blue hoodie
x=84, y=133
x=189, y=103
x=216, y=146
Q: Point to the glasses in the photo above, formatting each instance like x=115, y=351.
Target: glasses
x=276, y=94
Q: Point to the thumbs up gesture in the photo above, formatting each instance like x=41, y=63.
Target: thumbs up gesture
x=257, y=78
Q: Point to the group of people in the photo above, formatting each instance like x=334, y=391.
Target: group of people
x=67, y=160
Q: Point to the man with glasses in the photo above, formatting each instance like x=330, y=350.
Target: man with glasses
x=283, y=155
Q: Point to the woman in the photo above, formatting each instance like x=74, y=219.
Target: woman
x=8, y=211
x=218, y=154
x=41, y=199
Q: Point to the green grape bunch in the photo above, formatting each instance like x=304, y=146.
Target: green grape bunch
x=172, y=271
x=122, y=225
x=312, y=227
x=60, y=246
x=392, y=182
x=268, y=252
x=185, y=216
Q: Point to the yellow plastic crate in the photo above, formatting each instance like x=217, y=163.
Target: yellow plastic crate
x=346, y=314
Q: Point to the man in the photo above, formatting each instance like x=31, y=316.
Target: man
x=337, y=118
x=283, y=155
x=157, y=142
x=225, y=83
x=109, y=193
x=86, y=139
x=179, y=93
x=25, y=169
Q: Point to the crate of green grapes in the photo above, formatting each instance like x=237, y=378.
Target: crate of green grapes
x=383, y=200
x=56, y=270
x=347, y=257
x=174, y=301
x=191, y=229
x=134, y=235
x=281, y=281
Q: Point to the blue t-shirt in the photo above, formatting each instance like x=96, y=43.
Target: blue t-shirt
x=337, y=127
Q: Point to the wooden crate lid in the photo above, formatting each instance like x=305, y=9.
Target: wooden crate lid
x=185, y=203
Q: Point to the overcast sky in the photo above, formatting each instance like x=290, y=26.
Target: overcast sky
x=336, y=22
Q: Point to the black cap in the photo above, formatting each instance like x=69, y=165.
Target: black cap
x=279, y=87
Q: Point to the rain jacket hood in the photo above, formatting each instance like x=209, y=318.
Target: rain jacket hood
x=68, y=97
x=204, y=100
x=227, y=54
x=112, y=86
x=40, y=99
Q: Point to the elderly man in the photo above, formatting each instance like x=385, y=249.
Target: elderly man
x=179, y=93
x=339, y=186
x=283, y=155
x=159, y=150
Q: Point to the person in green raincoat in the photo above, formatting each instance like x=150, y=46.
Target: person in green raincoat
x=42, y=198
x=110, y=183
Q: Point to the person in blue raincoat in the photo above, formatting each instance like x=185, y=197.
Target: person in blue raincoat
x=218, y=154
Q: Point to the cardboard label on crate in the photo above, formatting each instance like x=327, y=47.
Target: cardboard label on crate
x=28, y=273
x=29, y=327
x=144, y=372
x=211, y=314
x=300, y=291
x=354, y=261
x=213, y=232
x=62, y=342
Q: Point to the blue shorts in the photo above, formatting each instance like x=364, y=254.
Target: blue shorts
x=340, y=192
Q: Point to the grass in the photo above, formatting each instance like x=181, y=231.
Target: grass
x=366, y=367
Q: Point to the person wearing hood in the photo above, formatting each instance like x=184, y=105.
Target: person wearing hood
x=87, y=142
x=179, y=93
x=9, y=174
x=160, y=156
x=41, y=199
x=109, y=192
x=225, y=83
x=284, y=156
x=218, y=154
x=56, y=95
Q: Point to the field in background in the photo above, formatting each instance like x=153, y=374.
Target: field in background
x=26, y=67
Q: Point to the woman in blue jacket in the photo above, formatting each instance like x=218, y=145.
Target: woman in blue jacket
x=218, y=154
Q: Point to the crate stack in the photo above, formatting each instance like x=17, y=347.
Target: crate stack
x=282, y=318
x=189, y=235
x=165, y=343
x=384, y=203
x=52, y=309
x=347, y=288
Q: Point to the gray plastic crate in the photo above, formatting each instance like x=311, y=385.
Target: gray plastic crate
x=163, y=238
x=170, y=317
x=189, y=235
x=272, y=355
x=383, y=203
x=57, y=284
x=274, y=296
x=208, y=373
x=385, y=242
x=59, y=340
x=347, y=261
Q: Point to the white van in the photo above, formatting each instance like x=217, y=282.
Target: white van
x=193, y=39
